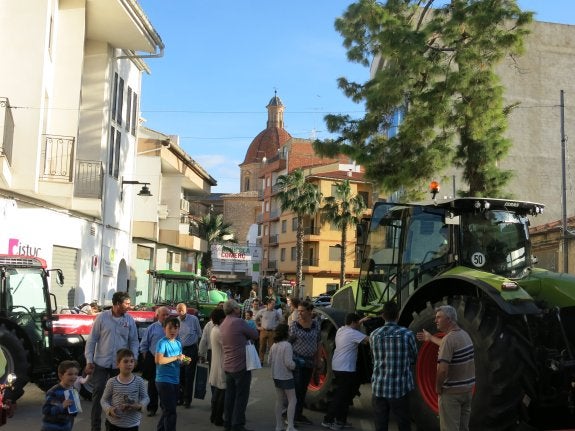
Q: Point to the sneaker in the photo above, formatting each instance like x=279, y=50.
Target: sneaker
x=303, y=420
x=345, y=425
x=335, y=426
x=327, y=424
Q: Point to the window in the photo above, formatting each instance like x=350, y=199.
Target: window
x=135, y=118
x=293, y=253
x=266, y=230
x=294, y=224
x=284, y=226
x=120, y=97
x=129, y=110
x=114, y=95
x=365, y=197
x=114, y=152
x=117, y=98
x=283, y=254
x=334, y=192
x=246, y=184
x=334, y=254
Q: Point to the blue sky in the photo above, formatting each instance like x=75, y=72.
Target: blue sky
x=224, y=59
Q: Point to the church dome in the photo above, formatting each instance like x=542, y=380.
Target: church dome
x=269, y=140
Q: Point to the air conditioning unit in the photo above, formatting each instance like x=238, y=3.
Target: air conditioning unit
x=163, y=212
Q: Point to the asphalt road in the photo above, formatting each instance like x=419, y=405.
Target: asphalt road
x=260, y=412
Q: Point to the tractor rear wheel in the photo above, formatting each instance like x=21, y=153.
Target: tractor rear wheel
x=321, y=386
x=504, y=367
x=16, y=362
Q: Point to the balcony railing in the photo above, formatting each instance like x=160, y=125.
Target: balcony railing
x=6, y=130
x=311, y=230
x=274, y=214
x=88, y=180
x=57, y=158
x=195, y=231
x=274, y=239
x=272, y=264
x=310, y=262
x=276, y=188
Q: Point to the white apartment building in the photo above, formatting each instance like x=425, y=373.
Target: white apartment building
x=70, y=86
x=165, y=232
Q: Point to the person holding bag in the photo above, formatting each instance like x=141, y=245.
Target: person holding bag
x=235, y=333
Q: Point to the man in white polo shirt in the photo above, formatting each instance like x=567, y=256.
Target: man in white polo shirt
x=343, y=365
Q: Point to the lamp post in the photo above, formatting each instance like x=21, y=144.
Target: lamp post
x=145, y=190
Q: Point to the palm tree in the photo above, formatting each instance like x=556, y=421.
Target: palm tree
x=214, y=230
x=343, y=210
x=303, y=198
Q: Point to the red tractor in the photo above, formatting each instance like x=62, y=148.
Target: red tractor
x=33, y=337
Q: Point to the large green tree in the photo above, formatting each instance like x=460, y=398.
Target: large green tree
x=435, y=65
x=215, y=230
x=343, y=210
x=303, y=199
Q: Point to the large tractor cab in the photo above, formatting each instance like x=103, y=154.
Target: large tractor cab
x=408, y=245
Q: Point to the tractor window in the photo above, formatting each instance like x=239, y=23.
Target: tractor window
x=25, y=289
x=496, y=241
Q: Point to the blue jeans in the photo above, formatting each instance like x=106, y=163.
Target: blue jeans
x=236, y=399
x=400, y=408
x=168, y=393
x=301, y=377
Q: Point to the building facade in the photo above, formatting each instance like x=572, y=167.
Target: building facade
x=165, y=232
x=70, y=87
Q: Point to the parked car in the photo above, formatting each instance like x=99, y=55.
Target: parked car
x=321, y=301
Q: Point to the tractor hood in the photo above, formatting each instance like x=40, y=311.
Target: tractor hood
x=554, y=289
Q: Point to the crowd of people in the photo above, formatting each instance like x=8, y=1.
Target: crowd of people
x=174, y=344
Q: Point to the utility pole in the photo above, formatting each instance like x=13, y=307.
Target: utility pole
x=564, y=187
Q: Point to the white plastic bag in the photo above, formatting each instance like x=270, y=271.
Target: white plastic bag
x=252, y=357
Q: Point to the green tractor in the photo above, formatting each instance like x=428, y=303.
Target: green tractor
x=474, y=254
x=173, y=287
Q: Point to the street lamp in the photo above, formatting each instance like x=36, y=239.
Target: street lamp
x=144, y=191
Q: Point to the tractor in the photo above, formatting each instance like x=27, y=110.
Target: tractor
x=474, y=254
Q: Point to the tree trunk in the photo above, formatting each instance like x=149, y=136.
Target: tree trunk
x=343, y=254
x=299, y=256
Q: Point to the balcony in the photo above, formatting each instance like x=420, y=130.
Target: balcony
x=310, y=262
x=311, y=230
x=275, y=214
x=260, y=195
x=195, y=230
x=272, y=265
x=88, y=179
x=276, y=188
x=198, y=210
x=274, y=239
x=57, y=158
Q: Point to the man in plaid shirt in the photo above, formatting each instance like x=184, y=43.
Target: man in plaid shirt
x=394, y=354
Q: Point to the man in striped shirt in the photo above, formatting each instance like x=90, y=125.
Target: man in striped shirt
x=455, y=370
x=394, y=354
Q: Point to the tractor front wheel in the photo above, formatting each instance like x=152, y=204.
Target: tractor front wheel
x=16, y=362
